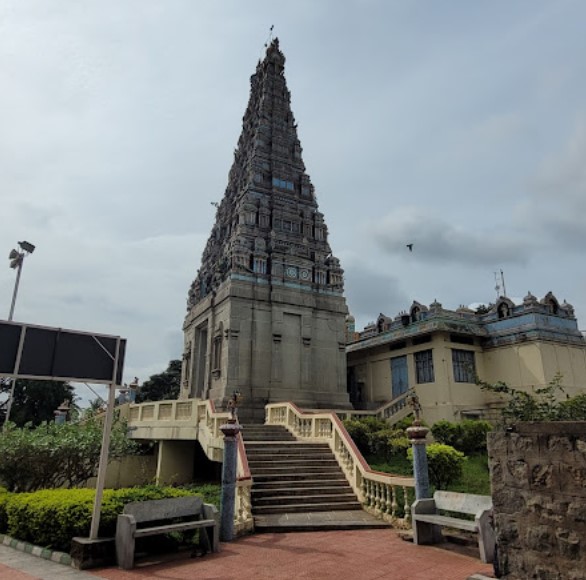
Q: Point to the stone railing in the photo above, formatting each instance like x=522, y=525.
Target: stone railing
x=244, y=522
x=386, y=496
x=392, y=411
x=194, y=419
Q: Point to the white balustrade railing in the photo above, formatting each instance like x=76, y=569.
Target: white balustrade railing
x=392, y=411
x=384, y=495
x=204, y=421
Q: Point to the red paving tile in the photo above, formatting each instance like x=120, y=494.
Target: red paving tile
x=7, y=573
x=365, y=554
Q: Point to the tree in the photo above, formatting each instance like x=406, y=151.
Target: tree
x=549, y=403
x=163, y=386
x=35, y=401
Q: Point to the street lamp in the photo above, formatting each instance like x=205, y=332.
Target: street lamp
x=16, y=258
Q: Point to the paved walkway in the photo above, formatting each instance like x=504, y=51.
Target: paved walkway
x=365, y=554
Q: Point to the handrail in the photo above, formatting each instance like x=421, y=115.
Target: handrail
x=199, y=420
x=385, y=495
x=244, y=521
x=395, y=409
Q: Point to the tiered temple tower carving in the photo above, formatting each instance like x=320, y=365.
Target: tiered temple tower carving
x=266, y=312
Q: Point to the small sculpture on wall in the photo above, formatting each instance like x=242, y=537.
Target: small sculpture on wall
x=232, y=405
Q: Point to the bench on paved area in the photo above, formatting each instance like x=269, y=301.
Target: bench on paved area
x=427, y=521
x=163, y=516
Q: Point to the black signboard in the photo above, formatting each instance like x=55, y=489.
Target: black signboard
x=38, y=352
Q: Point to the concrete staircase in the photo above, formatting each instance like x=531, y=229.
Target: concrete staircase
x=299, y=486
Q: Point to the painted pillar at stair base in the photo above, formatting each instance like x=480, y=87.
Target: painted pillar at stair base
x=266, y=312
x=229, y=467
x=417, y=435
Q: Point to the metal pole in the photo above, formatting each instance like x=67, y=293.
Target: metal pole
x=10, y=315
x=105, y=449
x=17, y=369
x=14, y=294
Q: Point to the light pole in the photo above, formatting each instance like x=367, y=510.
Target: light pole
x=16, y=258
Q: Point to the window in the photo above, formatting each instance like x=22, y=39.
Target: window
x=464, y=366
x=217, y=356
x=283, y=184
x=424, y=366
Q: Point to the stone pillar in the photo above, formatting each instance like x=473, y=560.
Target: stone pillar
x=229, y=467
x=417, y=434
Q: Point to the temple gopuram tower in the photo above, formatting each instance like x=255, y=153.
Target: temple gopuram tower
x=266, y=312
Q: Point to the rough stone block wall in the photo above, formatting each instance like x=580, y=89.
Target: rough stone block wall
x=538, y=476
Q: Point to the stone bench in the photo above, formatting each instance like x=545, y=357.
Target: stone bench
x=427, y=521
x=163, y=516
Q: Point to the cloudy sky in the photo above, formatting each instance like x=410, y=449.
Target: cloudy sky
x=457, y=126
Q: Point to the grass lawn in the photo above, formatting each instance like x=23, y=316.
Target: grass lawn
x=475, y=477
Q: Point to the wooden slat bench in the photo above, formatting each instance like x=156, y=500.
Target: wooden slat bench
x=427, y=521
x=179, y=513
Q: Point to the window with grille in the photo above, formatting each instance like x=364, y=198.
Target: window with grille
x=424, y=366
x=464, y=366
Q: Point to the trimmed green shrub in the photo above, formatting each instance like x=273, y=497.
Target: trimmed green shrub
x=4, y=497
x=468, y=436
x=445, y=464
x=50, y=518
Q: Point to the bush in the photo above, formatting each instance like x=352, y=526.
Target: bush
x=359, y=432
x=375, y=436
x=445, y=464
x=549, y=403
x=468, y=436
x=4, y=497
x=573, y=409
x=51, y=517
x=51, y=455
x=388, y=443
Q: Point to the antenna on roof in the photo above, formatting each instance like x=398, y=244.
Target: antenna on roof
x=497, y=285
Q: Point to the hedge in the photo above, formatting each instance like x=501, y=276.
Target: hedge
x=51, y=518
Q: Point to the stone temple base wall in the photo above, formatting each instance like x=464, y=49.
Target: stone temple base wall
x=538, y=475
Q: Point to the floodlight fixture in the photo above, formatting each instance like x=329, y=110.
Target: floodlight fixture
x=27, y=247
x=13, y=254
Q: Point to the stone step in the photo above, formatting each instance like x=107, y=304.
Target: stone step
x=301, y=483
x=268, y=454
x=285, y=472
x=317, y=521
x=305, y=507
x=283, y=475
x=279, y=449
x=292, y=462
x=303, y=496
x=250, y=437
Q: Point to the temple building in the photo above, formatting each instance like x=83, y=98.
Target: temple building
x=266, y=311
x=439, y=353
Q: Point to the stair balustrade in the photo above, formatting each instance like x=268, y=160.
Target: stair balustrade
x=392, y=412
x=387, y=496
x=195, y=419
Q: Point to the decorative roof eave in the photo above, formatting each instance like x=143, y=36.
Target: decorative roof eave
x=420, y=328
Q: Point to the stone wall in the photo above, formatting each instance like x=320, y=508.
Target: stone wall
x=538, y=475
